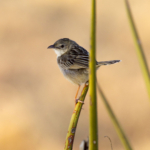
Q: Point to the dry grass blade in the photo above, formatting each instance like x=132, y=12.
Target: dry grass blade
x=116, y=124
x=139, y=49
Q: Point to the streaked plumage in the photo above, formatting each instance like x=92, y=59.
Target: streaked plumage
x=73, y=60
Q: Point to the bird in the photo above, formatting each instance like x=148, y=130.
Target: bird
x=73, y=61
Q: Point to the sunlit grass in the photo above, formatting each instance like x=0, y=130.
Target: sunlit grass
x=139, y=49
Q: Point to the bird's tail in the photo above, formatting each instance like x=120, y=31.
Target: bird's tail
x=107, y=62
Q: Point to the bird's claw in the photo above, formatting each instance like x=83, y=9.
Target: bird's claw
x=79, y=101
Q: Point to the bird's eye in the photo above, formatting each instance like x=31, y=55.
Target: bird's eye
x=62, y=46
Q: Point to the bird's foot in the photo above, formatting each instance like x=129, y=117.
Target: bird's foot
x=87, y=83
x=78, y=101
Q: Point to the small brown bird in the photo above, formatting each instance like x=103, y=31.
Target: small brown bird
x=73, y=61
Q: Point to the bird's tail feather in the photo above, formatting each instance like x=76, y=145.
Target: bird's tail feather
x=107, y=62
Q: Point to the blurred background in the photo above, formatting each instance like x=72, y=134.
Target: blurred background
x=36, y=101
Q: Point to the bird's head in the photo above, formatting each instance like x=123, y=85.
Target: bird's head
x=62, y=46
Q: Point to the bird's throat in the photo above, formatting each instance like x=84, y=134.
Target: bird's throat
x=59, y=52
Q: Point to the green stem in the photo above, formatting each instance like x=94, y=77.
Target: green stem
x=139, y=49
x=93, y=137
x=116, y=124
x=74, y=120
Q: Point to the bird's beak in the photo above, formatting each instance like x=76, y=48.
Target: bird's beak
x=51, y=46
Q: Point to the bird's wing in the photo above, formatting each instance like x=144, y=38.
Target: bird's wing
x=76, y=58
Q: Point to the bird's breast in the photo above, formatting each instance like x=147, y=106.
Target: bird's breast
x=77, y=76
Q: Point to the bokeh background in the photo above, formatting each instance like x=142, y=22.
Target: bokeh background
x=36, y=101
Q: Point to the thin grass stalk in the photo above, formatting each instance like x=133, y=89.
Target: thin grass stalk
x=116, y=124
x=93, y=137
x=74, y=120
x=139, y=49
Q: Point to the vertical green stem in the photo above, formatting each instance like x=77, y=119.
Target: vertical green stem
x=93, y=138
x=139, y=49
